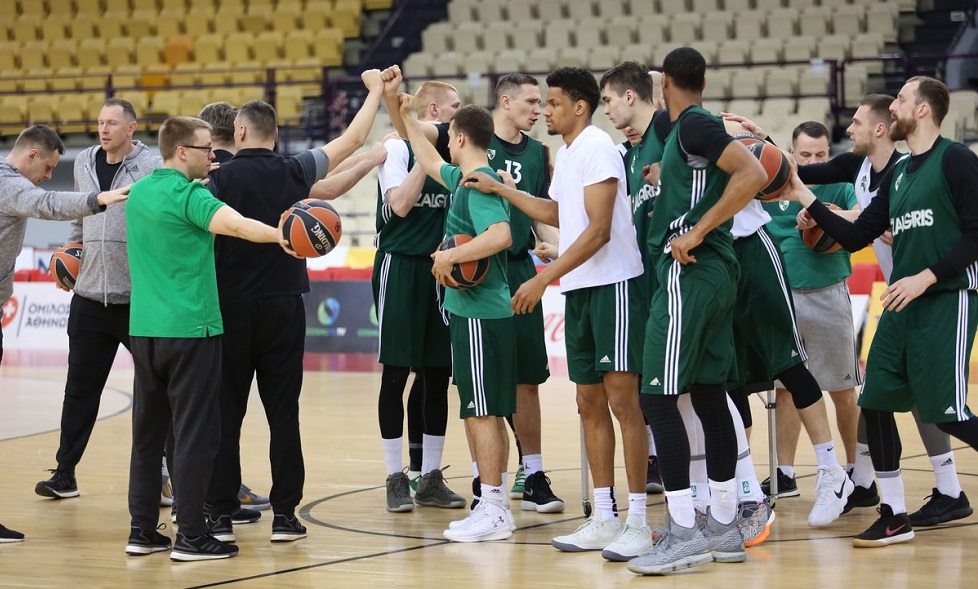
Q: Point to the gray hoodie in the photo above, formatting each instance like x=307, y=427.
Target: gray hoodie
x=20, y=199
x=104, y=273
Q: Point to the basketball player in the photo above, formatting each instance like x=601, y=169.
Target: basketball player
x=481, y=324
x=175, y=327
x=528, y=162
x=706, y=177
x=873, y=155
x=413, y=332
x=930, y=203
x=99, y=317
x=599, y=268
x=261, y=301
x=36, y=152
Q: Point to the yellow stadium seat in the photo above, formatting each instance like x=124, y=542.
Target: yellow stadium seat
x=165, y=103
x=214, y=75
x=142, y=23
x=268, y=46
x=126, y=77
x=119, y=51
x=191, y=101
x=32, y=54
x=55, y=27
x=36, y=80
x=306, y=74
x=552, y=10
x=178, y=49
x=232, y=6
x=347, y=19
x=684, y=28
x=558, y=34
x=467, y=37
x=71, y=115
x=765, y=50
x=13, y=114
x=285, y=21
x=253, y=23
x=225, y=25
x=299, y=45
x=258, y=7
x=82, y=27
x=749, y=25
x=673, y=7
x=33, y=7
x=149, y=51
x=461, y=11
x=526, y=35
x=208, y=48
x=782, y=82
x=198, y=24
x=26, y=27
x=288, y=105
x=417, y=65
x=651, y=32
x=814, y=21
x=378, y=4
x=733, y=52
x=328, y=46
x=238, y=48
x=95, y=78
x=87, y=7
x=437, y=37
x=446, y=65
x=782, y=23
x=61, y=53
x=173, y=6
x=520, y=11
x=620, y=31
x=67, y=78
x=316, y=17
x=746, y=83
x=120, y=6
x=496, y=37
x=168, y=27
x=8, y=7
x=185, y=74
x=717, y=25
x=41, y=108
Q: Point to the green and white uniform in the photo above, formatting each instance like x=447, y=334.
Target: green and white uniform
x=481, y=325
x=413, y=331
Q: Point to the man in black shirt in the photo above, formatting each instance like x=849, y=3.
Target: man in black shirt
x=261, y=302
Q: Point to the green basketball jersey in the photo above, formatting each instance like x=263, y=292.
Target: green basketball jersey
x=687, y=190
x=472, y=212
x=924, y=221
x=808, y=269
x=420, y=232
x=646, y=152
x=530, y=168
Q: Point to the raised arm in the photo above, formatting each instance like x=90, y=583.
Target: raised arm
x=356, y=134
x=425, y=153
x=354, y=169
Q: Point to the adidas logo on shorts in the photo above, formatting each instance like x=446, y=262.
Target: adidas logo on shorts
x=655, y=382
x=605, y=360
x=848, y=377
x=794, y=354
x=949, y=411
x=471, y=405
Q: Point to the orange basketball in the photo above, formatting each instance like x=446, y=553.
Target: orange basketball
x=466, y=274
x=776, y=166
x=312, y=228
x=748, y=139
x=65, y=263
x=817, y=240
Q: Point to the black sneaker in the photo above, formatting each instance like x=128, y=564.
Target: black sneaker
x=653, y=479
x=142, y=542
x=940, y=509
x=477, y=492
x=8, y=535
x=888, y=529
x=61, y=485
x=863, y=497
x=787, y=486
x=206, y=547
x=287, y=529
x=245, y=516
x=221, y=527
x=537, y=495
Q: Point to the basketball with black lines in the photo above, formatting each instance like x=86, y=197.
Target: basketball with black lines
x=65, y=263
x=817, y=240
x=775, y=164
x=312, y=228
x=466, y=274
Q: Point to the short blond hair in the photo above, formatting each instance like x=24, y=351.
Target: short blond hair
x=431, y=91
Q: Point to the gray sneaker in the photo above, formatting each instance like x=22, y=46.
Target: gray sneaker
x=754, y=520
x=682, y=548
x=726, y=543
x=399, y=493
x=433, y=492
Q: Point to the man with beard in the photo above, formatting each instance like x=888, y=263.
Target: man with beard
x=929, y=203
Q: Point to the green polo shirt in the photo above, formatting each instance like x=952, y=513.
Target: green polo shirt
x=171, y=257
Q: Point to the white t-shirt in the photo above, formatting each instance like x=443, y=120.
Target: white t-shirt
x=590, y=159
x=750, y=218
x=884, y=253
x=395, y=168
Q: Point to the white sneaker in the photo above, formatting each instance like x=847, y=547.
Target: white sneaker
x=595, y=534
x=461, y=522
x=634, y=540
x=832, y=490
x=487, y=522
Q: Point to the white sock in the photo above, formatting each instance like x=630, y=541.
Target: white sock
x=748, y=487
x=891, y=490
x=636, y=508
x=648, y=432
x=393, y=450
x=862, y=470
x=789, y=471
x=604, y=503
x=493, y=495
x=946, y=474
x=503, y=477
x=680, y=505
x=825, y=454
x=532, y=463
x=723, y=502
x=432, y=449
x=475, y=469
x=701, y=494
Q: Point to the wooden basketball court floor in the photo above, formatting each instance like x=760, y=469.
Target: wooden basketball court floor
x=354, y=542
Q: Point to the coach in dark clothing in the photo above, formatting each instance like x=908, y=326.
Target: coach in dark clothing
x=260, y=290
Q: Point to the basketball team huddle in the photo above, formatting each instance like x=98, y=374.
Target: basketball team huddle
x=699, y=264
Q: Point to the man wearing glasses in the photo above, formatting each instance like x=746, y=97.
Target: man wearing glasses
x=175, y=327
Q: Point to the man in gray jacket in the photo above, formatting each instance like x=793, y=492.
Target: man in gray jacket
x=99, y=317
x=34, y=156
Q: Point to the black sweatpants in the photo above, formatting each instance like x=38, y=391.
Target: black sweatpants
x=95, y=331
x=177, y=382
x=264, y=338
